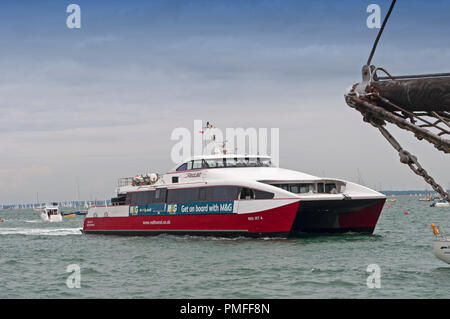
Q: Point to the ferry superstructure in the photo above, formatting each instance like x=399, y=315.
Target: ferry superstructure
x=235, y=195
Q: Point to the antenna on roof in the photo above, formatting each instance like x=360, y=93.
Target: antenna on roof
x=219, y=148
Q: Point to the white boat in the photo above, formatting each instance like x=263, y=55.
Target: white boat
x=235, y=195
x=50, y=213
x=440, y=203
x=441, y=244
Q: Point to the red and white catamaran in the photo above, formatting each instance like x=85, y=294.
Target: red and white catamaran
x=235, y=195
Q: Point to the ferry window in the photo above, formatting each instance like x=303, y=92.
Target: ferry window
x=188, y=195
x=247, y=193
x=231, y=162
x=205, y=164
x=306, y=188
x=252, y=162
x=160, y=195
x=189, y=165
x=265, y=162
x=320, y=188
x=140, y=198
x=262, y=194
x=215, y=163
x=172, y=196
x=329, y=188
x=294, y=188
x=182, y=195
x=240, y=162
x=202, y=193
x=197, y=164
x=174, y=179
x=220, y=162
x=182, y=167
x=284, y=186
x=220, y=193
x=119, y=200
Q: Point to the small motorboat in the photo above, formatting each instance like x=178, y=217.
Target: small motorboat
x=440, y=203
x=441, y=244
x=50, y=213
x=428, y=198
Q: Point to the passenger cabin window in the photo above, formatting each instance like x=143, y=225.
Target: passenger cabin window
x=211, y=193
x=189, y=165
x=182, y=167
x=331, y=188
x=262, y=194
x=297, y=188
x=194, y=194
x=247, y=193
x=160, y=195
x=320, y=188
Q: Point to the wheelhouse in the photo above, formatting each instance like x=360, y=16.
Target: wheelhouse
x=225, y=162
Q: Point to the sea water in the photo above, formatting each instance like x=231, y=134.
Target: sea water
x=40, y=259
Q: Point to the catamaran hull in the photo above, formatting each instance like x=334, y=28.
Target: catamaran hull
x=275, y=222
x=288, y=220
x=337, y=216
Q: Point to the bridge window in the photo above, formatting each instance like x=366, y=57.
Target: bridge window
x=215, y=163
x=266, y=162
x=197, y=164
x=240, y=162
x=231, y=162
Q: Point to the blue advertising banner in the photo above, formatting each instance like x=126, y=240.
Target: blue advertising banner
x=221, y=207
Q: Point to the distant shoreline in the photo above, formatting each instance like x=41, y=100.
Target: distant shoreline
x=409, y=192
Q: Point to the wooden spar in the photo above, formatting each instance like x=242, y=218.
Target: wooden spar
x=432, y=94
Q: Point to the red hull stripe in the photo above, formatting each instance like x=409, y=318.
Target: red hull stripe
x=277, y=220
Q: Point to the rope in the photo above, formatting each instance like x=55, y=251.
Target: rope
x=380, y=32
x=376, y=116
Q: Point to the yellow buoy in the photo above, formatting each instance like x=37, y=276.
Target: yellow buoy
x=435, y=229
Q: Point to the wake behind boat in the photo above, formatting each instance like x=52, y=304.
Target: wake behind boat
x=235, y=195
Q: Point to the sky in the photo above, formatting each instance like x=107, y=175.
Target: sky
x=83, y=107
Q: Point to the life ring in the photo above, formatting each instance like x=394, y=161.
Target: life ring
x=2, y=220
